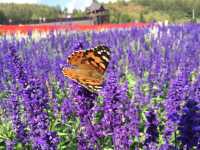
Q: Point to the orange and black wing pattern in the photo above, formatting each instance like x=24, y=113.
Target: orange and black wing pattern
x=88, y=67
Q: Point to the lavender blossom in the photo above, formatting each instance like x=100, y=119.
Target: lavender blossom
x=10, y=145
x=14, y=103
x=152, y=129
x=35, y=100
x=67, y=109
x=120, y=117
x=83, y=102
x=176, y=96
x=18, y=125
x=189, y=125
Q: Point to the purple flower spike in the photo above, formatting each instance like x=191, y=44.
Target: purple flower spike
x=34, y=100
x=18, y=125
x=67, y=109
x=84, y=102
x=177, y=93
x=152, y=129
x=120, y=117
x=189, y=125
x=10, y=145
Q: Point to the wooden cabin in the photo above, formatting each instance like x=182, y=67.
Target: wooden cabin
x=98, y=13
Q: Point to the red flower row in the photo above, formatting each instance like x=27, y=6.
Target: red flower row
x=76, y=27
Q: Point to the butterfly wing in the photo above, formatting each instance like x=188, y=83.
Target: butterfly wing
x=88, y=67
x=86, y=77
x=98, y=58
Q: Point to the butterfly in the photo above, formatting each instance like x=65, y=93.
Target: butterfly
x=88, y=67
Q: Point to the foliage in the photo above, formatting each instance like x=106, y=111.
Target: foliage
x=160, y=10
x=181, y=8
x=28, y=11
x=142, y=17
x=78, y=13
x=2, y=17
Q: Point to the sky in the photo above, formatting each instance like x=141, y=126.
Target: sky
x=70, y=4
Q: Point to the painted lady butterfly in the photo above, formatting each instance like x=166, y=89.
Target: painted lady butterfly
x=88, y=67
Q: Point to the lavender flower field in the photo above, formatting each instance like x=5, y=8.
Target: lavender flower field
x=150, y=99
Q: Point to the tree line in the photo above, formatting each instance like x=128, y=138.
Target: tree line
x=27, y=12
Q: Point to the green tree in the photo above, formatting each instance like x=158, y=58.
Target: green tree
x=29, y=11
x=141, y=18
x=65, y=11
x=78, y=13
x=2, y=17
x=124, y=18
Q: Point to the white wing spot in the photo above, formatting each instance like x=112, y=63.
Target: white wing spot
x=105, y=58
x=99, y=52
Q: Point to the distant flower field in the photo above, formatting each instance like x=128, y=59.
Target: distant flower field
x=65, y=27
x=150, y=99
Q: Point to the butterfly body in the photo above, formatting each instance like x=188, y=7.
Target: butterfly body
x=88, y=67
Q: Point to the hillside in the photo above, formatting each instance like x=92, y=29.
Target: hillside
x=141, y=10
